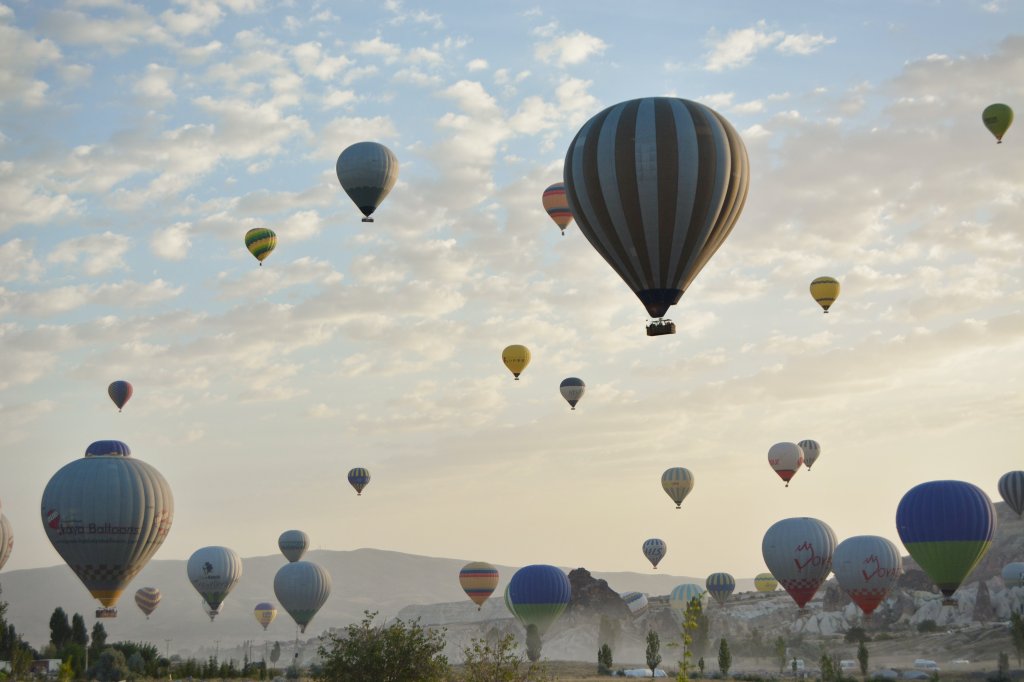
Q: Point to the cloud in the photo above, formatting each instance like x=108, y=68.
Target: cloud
x=126, y=294
x=21, y=57
x=739, y=46
x=172, y=242
x=803, y=43
x=98, y=253
x=568, y=49
x=376, y=47
x=313, y=62
x=27, y=196
x=200, y=17
x=18, y=262
x=155, y=87
x=476, y=65
x=134, y=26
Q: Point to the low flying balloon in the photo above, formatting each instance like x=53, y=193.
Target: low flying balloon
x=120, y=392
x=302, y=587
x=867, y=567
x=681, y=596
x=147, y=599
x=537, y=595
x=997, y=118
x=656, y=185
x=107, y=514
x=1013, y=574
x=1011, y=489
x=654, y=549
x=635, y=601
x=214, y=572
x=367, y=171
x=260, y=241
x=765, y=582
x=6, y=539
x=557, y=206
x=478, y=580
x=572, y=389
x=798, y=552
x=811, y=450
x=359, y=478
x=720, y=587
x=825, y=290
x=293, y=544
x=786, y=459
x=265, y=613
x=947, y=526
x=516, y=358
x=677, y=482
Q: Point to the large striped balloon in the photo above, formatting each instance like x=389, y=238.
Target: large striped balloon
x=677, y=483
x=367, y=171
x=537, y=595
x=147, y=599
x=720, y=586
x=478, y=580
x=947, y=526
x=302, y=587
x=557, y=206
x=798, y=552
x=868, y=568
x=765, y=582
x=656, y=185
x=681, y=596
x=1011, y=489
x=6, y=539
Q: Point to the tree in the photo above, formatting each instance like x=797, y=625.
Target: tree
x=99, y=640
x=856, y=634
x=533, y=643
x=111, y=665
x=604, y=660
x=60, y=629
x=1003, y=670
x=862, y=658
x=724, y=657
x=691, y=625
x=498, y=662
x=79, y=634
x=653, y=650
x=275, y=652
x=700, y=665
x=399, y=652
x=780, y=653
x=1017, y=635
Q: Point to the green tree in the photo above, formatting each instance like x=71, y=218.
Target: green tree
x=1003, y=669
x=862, y=658
x=700, y=665
x=99, y=641
x=111, y=666
x=275, y=652
x=780, y=653
x=1017, y=635
x=60, y=629
x=653, y=650
x=79, y=633
x=927, y=625
x=691, y=626
x=498, y=662
x=830, y=670
x=533, y=643
x=856, y=634
x=399, y=652
x=724, y=657
x=604, y=660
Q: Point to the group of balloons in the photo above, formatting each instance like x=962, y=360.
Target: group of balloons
x=787, y=458
x=516, y=357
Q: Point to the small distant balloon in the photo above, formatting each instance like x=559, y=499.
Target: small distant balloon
x=478, y=580
x=677, y=482
x=636, y=602
x=359, y=478
x=997, y=118
x=293, y=544
x=1013, y=574
x=654, y=549
x=825, y=290
x=765, y=582
x=1011, y=489
x=720, y=587
x=680, y=597
x=367, y=172
x=786, y=459
x=260, y=241
x=572, y=389
x=265, y=613
x=147, y=600
x=516, y=358
x=811, y=450
x=120, y=392
x=557, y=205
x=214, y=572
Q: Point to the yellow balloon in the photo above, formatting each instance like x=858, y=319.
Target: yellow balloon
x=825, y=291
x=516, y=358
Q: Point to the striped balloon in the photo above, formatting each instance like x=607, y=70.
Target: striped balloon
x=537, y=595
x=478, y=580
x=367, y=171
x=677, y=482
x=302, y=587
x=656, y=185
x=654, y=549
x=265, y=613
x=293, y=544
x=682, y=595
x=765, y=582
x=6, y=539
x=798, y=552
x=825, y=291
x=1013, y=574
x=260, y=241
x=636, y=601
x=557, y=206
x=811, y=450
x=1011, y=489
x=147, y=600
x=868, y=568
x=720, y=586
x=572, y=389
x=120, y=392
x=359, y=478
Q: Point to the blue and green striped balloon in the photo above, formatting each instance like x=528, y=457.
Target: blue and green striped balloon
x=720, y=586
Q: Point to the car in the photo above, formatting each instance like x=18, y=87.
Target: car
x=885, y=674
x=914, y=675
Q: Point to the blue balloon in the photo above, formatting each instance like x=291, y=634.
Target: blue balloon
x=108, y=448
x=537, y=595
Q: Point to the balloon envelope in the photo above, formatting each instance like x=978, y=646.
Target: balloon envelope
x=516, y=358
x=147, y=599
x=654, y=549
x=265, y=613
x=798, y=552
x=1011, y=489
x=997, y=118
x=765, y=582
x=6, y=539
x=867, y=567
x=106, y=515
x=214, y=572
x=572, y=389
x=120, y=391
x=478, y=580
x=260, y=241
x=720, y=586
x=557, y=205
x=367, y=171
x=785, y=459
x=635, y=601
x=811, y=450
x=825, y=290
x=359, y=478
x=537, y=595
x=302, y=587
x=682, y=595
x=293, y=544
x=1013, y=574
x=677, y=482
x=947, y=526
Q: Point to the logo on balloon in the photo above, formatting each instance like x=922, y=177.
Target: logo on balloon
x=879, y=570
x=53, y=519
x=814, y=560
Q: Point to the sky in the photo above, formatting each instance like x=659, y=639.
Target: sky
x=140, y=141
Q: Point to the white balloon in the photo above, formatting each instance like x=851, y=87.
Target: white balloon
x=214, y=572
x=302, y=587
x=798, y=552
x=867, y=567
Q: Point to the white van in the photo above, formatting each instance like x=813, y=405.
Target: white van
x=926, y=664
x=848, y=665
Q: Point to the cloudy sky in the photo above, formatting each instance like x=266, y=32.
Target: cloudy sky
x=138, y=143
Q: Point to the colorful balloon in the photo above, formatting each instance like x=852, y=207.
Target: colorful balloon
x=6, y=539
x=478, y=580
x=997, y=118
x=720, y=586
x=798, y=552
x=947, y=526
x=1011, y=489
x=572, y=389
x=1013, y=574
x=677, y=482
x=147, y=599
x=656, y=186
x=825, y=291
x=260, y=241
x=120, y=391
x=367, y=171
x=635, y=601
x=265, y=613
x=654, y=549
x=557, y=206
x=681, y=596
x=785, y=459
x=293, y=544
x=302, y=587
x=811, y=451
x=765, y=582
x=537, y=595
x=516, y=358
x=214, y=572
x=106, y=515
x=867, y=567
x=359, y=478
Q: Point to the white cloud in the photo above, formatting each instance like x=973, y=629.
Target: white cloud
x=20, y=57
x=476, y=65
x=155, y=86
x=133, y=27
x=98, y=253
x=335, y=98
x=199, y=17
x=300, y=226
x=313, y=62
x=568, y=49
x=739, y=47
x=378, y=48
x=127, y=294
x=18, y=262
x=803, y=43
x=25, y=197
x=172, y=242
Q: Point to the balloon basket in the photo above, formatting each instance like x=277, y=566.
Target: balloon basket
x=109, y=612
x=367, y=220
x=661, y=327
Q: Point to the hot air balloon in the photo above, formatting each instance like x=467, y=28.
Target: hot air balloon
x=1013, y=574
x=720, y=586
x=537, y=595
x=572, y=389
x=825, y=290
x=677, y=482
x=765, y=582
x=106, y=515
x=478, y=580
x=785, y=459
x=265, y=613
x=214, y=572
x=867, y=567
x=293, y=544
x=997, y=118
x=635, y=601
x=367, y=171
x=147, y=600
x=798, y=552
x=302, y=587
x=1011, y=489
x=359, y=478
x=681, y=596
x=947, y=526
x=811, y=451
x=654, y=549
x=516, y=358
x=557, y=206
x=656, y=185
x=260, y=241
x=119, y=391
x=6, y=539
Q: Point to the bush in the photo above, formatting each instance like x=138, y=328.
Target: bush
x=928, y=626
x=400, y=652
x=498, y=662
